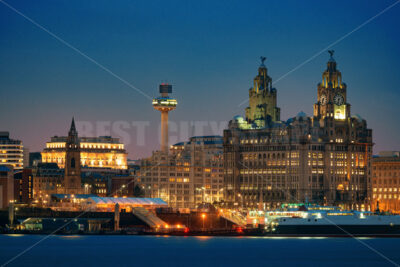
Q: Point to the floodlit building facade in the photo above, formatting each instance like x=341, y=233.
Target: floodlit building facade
x=98, y=152
x=325, y=158
x=386, y=181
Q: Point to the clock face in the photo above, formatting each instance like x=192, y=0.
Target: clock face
x=338, y=100
x=323, y=99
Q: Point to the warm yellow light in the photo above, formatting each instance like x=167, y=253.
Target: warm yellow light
x=203, y=216
x=178, y=226
x=339, y=116
x=166, y=226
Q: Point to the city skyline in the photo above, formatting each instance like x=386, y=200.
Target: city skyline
x=210, y=67
x=150, y=132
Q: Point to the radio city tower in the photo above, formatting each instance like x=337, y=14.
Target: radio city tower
x=164, y=104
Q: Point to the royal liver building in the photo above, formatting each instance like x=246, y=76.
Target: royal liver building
x=322, y=159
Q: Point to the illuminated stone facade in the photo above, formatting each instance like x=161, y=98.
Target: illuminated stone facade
x=262, y=100
x=11, y=151
x=98, y=152
x=386, y=181
x=190, y=174
x=323, y=159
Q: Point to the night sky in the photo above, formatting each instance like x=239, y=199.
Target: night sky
x=208, y=50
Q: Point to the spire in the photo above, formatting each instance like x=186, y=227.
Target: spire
x=72, y=130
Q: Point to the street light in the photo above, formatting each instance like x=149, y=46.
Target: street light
x=203, y=216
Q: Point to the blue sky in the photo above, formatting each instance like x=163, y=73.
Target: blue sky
x=208, y=50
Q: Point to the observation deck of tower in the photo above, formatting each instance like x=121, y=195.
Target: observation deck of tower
x=164, y=104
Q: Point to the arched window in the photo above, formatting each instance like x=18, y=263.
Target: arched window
x=73, y=163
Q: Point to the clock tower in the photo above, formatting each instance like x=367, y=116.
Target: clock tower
x=72, y=176
x=332, y=99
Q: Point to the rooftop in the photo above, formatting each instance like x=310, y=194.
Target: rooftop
x=128, y=200
x=100, y=139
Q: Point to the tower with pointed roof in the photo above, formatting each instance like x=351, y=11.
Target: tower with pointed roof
x=262, y=107
x=332, y=94
x=72, y=176
x=323, y=159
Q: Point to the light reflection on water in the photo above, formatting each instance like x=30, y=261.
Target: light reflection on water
x=14, y=235
x=208, y=237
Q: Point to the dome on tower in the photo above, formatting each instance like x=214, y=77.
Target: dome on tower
x=238, y=118
x=301, y=114
x=358, y=117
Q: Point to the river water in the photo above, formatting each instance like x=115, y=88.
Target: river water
x=196, y=251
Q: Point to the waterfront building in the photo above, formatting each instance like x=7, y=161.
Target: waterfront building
x=23, y=186
x=386, y=181
x=324, y=158
x=96, y=183
x=48, y=179
x=191, y=174
x=96, y=152
x=11, y=151
x=122, y=186
x=6, y=185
